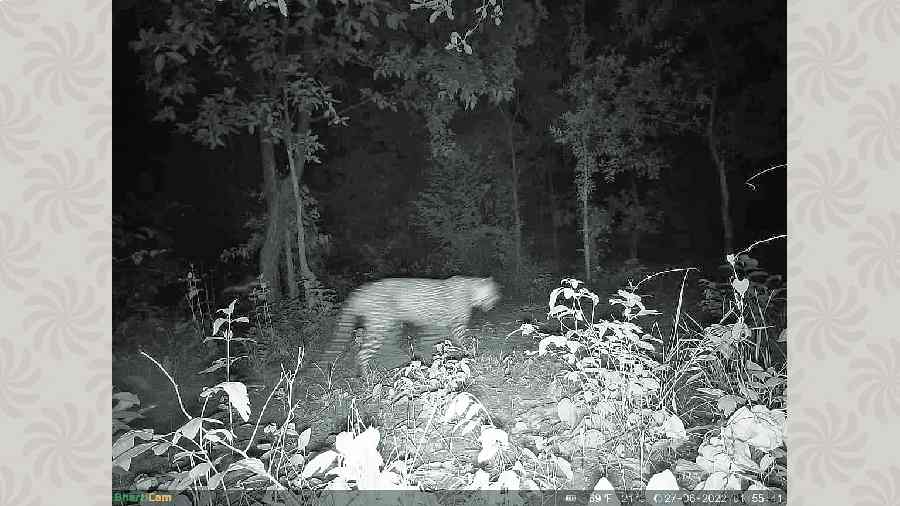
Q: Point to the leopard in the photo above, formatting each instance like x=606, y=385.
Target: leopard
x=440, y=307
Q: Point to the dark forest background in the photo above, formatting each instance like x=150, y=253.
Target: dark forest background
x=282, y=153
x=620, y=126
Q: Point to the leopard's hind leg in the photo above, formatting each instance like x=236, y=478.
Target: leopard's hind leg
x=377, y=331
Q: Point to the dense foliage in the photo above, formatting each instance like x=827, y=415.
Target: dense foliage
x=480, y=138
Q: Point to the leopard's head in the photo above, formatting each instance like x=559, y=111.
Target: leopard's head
x=485, y=293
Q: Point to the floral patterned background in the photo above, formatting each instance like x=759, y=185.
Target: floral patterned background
x=844, y=251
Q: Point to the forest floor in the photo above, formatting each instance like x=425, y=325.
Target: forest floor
x=519, y=391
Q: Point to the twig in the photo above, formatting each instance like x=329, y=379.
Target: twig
x=761, y=241
x=175, y=385
x=651, y=276
x=760, y=173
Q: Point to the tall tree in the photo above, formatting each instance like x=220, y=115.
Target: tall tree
x=509, y=119
x=442, y=82
x=619, y=110
x=222, y=70
x=730, y=52
x=732, y=77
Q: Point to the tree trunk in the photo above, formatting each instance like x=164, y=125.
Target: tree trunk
x=585, y=230
x=719, y=164
x=297, y=161
x=271, y=252
x=555, y=219
x=633, y=241
x=517, y=216
x=290, y=272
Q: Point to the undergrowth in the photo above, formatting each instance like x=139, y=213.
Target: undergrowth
x=699, y=407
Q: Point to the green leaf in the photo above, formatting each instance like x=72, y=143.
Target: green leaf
x=250, y=464
x=176, y=57
x=189, y=429
x=319, y=463
x=124, y=459
x=237, y=397
x=304, y=439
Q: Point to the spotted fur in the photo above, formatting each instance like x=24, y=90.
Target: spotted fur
x=440, y=307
